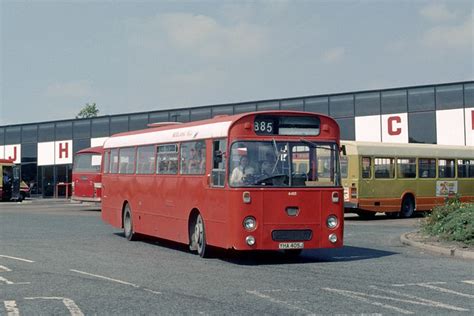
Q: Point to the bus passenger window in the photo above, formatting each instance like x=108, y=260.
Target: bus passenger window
x=384, y=168
x=344, y=167
x=193, y=157
x=167, y=159
x=446, y=168
x=127, y=160
x=146, y=160
x=465, y=168
x=427, y=167
x=406, y=168
x=366, y=168
x=114, y=161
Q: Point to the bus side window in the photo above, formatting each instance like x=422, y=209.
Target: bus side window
x=218, y=162
x=366, y=168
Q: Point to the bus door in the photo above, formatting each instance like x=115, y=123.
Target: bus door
x=16, y=183
x=216, y=182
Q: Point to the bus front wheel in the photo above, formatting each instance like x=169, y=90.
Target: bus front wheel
x=198, y=238
x=408, y=207
x=128, y=223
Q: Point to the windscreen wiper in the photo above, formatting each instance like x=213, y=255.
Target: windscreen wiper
x=314, y=145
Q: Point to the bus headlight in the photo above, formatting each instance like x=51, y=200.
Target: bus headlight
x=250, y=223
x=331, y=221
x=250, y=240
x=333, y=238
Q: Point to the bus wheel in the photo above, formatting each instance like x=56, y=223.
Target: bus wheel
x=128, y=223
x=408, y=207
x=366, y=214
x=198, y=238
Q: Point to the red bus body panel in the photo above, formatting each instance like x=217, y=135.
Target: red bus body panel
x=162, y=204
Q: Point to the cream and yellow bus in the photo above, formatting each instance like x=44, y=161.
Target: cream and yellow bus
x=399, y=179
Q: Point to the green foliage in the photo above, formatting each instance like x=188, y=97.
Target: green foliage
x=453, y=221
x=89, y=110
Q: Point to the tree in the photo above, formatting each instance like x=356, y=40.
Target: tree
x=89, y=110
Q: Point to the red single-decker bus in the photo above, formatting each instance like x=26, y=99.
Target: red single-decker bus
x=87, y=176
x=229, y=182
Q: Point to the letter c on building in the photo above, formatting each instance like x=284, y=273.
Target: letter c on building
x=391, y=130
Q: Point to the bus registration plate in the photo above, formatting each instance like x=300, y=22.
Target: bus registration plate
x=291, y=245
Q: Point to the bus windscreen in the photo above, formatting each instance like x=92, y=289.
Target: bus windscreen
x=87, y=163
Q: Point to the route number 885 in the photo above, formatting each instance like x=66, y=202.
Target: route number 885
x=263, y=127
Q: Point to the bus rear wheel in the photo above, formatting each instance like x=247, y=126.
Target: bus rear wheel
x=198, y=238
x=128, y=223
x=408, y=207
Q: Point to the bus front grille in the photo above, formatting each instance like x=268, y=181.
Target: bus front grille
x=292, y=235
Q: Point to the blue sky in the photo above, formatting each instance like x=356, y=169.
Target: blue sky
x=131, y=56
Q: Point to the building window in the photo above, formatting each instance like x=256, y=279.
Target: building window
x=127, y=160
x=292, y=105
x=167, y=159
x=449, y=97
x=466, y=168
x=317, y=105
x=422, y=127
x=157, y=117
x=2, y=136
x=13, y=135
x=245, y=107
x=341, y=106
x=223, y=110
x=79, y=144
x=427, y=168
x=46, y=132
x=268, y=106
x=64, y=131
x=118, y=124
x=421, y=99
x=394, y=101
x=347, y=127
x=180, y=116
x=139, y=121
x=384, y=168
x=406, y=167
x=100, y=127
x=446, y=168
x=367, y=104
x=146, y=160
x=81, y=129
x=29, y=134
x=469, y=95
x=200, y=114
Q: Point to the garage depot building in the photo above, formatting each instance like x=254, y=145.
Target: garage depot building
x=433, y=114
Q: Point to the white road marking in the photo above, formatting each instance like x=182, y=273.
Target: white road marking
x=10, y=307
x=3, y=268
x=469, y=281
x=15, y=258
x=412, y=284
x=152, y=291
x=70, y=304
x=418, y=300
x=444, y=290
x=2, y=279
x=105, y=278
x=115, y=280
x=274, y=300
x=360, y=297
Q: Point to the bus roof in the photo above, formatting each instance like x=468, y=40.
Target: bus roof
x=407, y=150
x=91, y=150
x=211, y=128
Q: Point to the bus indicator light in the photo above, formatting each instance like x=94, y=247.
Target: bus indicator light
x=250, y=240
x=246, y=197
x=333, y=238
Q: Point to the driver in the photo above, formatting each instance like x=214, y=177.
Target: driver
x=241, y=172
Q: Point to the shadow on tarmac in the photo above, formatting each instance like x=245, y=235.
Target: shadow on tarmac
x=255, y=258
